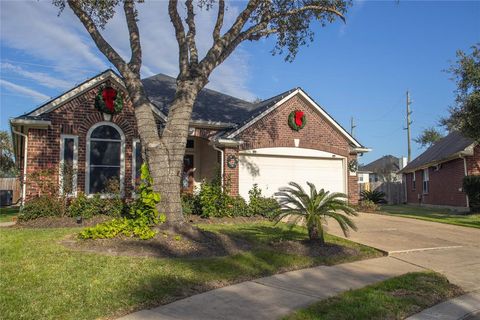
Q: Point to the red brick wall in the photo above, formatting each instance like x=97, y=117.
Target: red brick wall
x=273, y=131
x=75, y=118
x=445, y=185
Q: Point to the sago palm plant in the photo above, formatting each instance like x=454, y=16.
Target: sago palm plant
x=314, y=208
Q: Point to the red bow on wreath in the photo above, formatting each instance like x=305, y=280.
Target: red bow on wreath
x=298, y=117
x=109, y=95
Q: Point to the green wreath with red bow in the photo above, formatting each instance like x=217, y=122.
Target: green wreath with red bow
x=109, y=100
x=297, y=120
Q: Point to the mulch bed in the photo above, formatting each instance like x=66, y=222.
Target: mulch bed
x=168, y=243
x=61, y=222
x=186, y=242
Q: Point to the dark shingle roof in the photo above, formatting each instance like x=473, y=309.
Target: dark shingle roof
x=453, y=143
x=209, y=106
x=388, y=162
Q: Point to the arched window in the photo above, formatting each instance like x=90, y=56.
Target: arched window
x=105, y=158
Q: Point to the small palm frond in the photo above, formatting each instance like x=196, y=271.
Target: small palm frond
x=314, y=207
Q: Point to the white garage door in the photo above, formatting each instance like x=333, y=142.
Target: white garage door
x=271, y=172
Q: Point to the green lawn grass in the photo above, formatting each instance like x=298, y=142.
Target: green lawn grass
x=432, y=214
x=396, y=298
x=6, y=214
x=41, y=279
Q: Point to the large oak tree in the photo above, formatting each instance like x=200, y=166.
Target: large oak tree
x=465, y=114
x=291, y=22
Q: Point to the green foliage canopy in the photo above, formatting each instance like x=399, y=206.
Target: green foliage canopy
x=465, y=115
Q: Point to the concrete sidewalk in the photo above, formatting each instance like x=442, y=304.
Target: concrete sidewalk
x=276, y=296
x=461, y=308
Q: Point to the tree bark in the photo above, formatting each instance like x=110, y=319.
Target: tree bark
x=316, y=234
x=164, y=153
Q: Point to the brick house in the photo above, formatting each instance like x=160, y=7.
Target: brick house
x=246, y=142
x=435, y=178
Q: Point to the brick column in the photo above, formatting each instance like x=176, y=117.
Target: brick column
x=230, y=175
x=353, y=194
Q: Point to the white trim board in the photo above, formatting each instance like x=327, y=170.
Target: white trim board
x=311, y=102
x=291, y=152
x=69, y=95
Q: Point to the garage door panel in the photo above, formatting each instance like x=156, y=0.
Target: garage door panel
x=273, y=172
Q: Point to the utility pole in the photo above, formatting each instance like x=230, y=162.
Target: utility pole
x=409, y=122
x=352, y=126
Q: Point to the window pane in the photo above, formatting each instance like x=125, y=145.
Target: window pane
x=67, y=171
x=190, y=144
x=138, y=162
x=106, y=132
x=68, y=148
x=105, y=153
x=99, y=177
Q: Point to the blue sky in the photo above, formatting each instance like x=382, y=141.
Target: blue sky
x=360, y=69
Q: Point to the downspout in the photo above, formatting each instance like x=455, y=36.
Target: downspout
x=221, y=162
x=25, y=148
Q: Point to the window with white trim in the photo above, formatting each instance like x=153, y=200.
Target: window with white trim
x=137, y=162
x=105, y=158
x=68, y=164
x=426, y=180
x=414, y=182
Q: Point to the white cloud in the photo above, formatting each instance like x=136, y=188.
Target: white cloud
x=40, y=77
x=37, y=96
x=34, y=28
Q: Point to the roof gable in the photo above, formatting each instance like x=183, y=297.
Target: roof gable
x=278, y=102
x=74, y=92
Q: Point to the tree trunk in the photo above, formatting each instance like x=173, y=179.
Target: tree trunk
x=316, y=234
x=164, y=154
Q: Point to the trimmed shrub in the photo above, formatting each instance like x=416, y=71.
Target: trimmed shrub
x=87, y=207
x=374, y=196
x=42, y=206
x=259, y=205
x=237, y=207
x=367, y=206
x=471, y=185
x=142, y=216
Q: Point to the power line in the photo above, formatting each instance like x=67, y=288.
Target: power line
x=47, y=66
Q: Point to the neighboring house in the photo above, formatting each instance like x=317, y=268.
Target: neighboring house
x=248, y=142
x=384, y=169
x=436, y=176
x=363, y=176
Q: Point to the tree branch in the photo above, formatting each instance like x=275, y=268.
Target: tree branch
x=219, y=23
x=134, y=36
x=180, y=35
x=210, y=61
x=99, y=40
x=308, y=8
x=192, y=46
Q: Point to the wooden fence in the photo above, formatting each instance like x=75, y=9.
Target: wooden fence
x=394, y=191
x=9, y=191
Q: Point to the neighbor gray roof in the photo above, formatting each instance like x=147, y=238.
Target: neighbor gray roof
x=210, y=105
x=443, y=149
x=386, y=162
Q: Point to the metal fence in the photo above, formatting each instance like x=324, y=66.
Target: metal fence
x=394, y=191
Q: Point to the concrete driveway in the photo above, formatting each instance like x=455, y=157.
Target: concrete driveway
x=451, y=250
